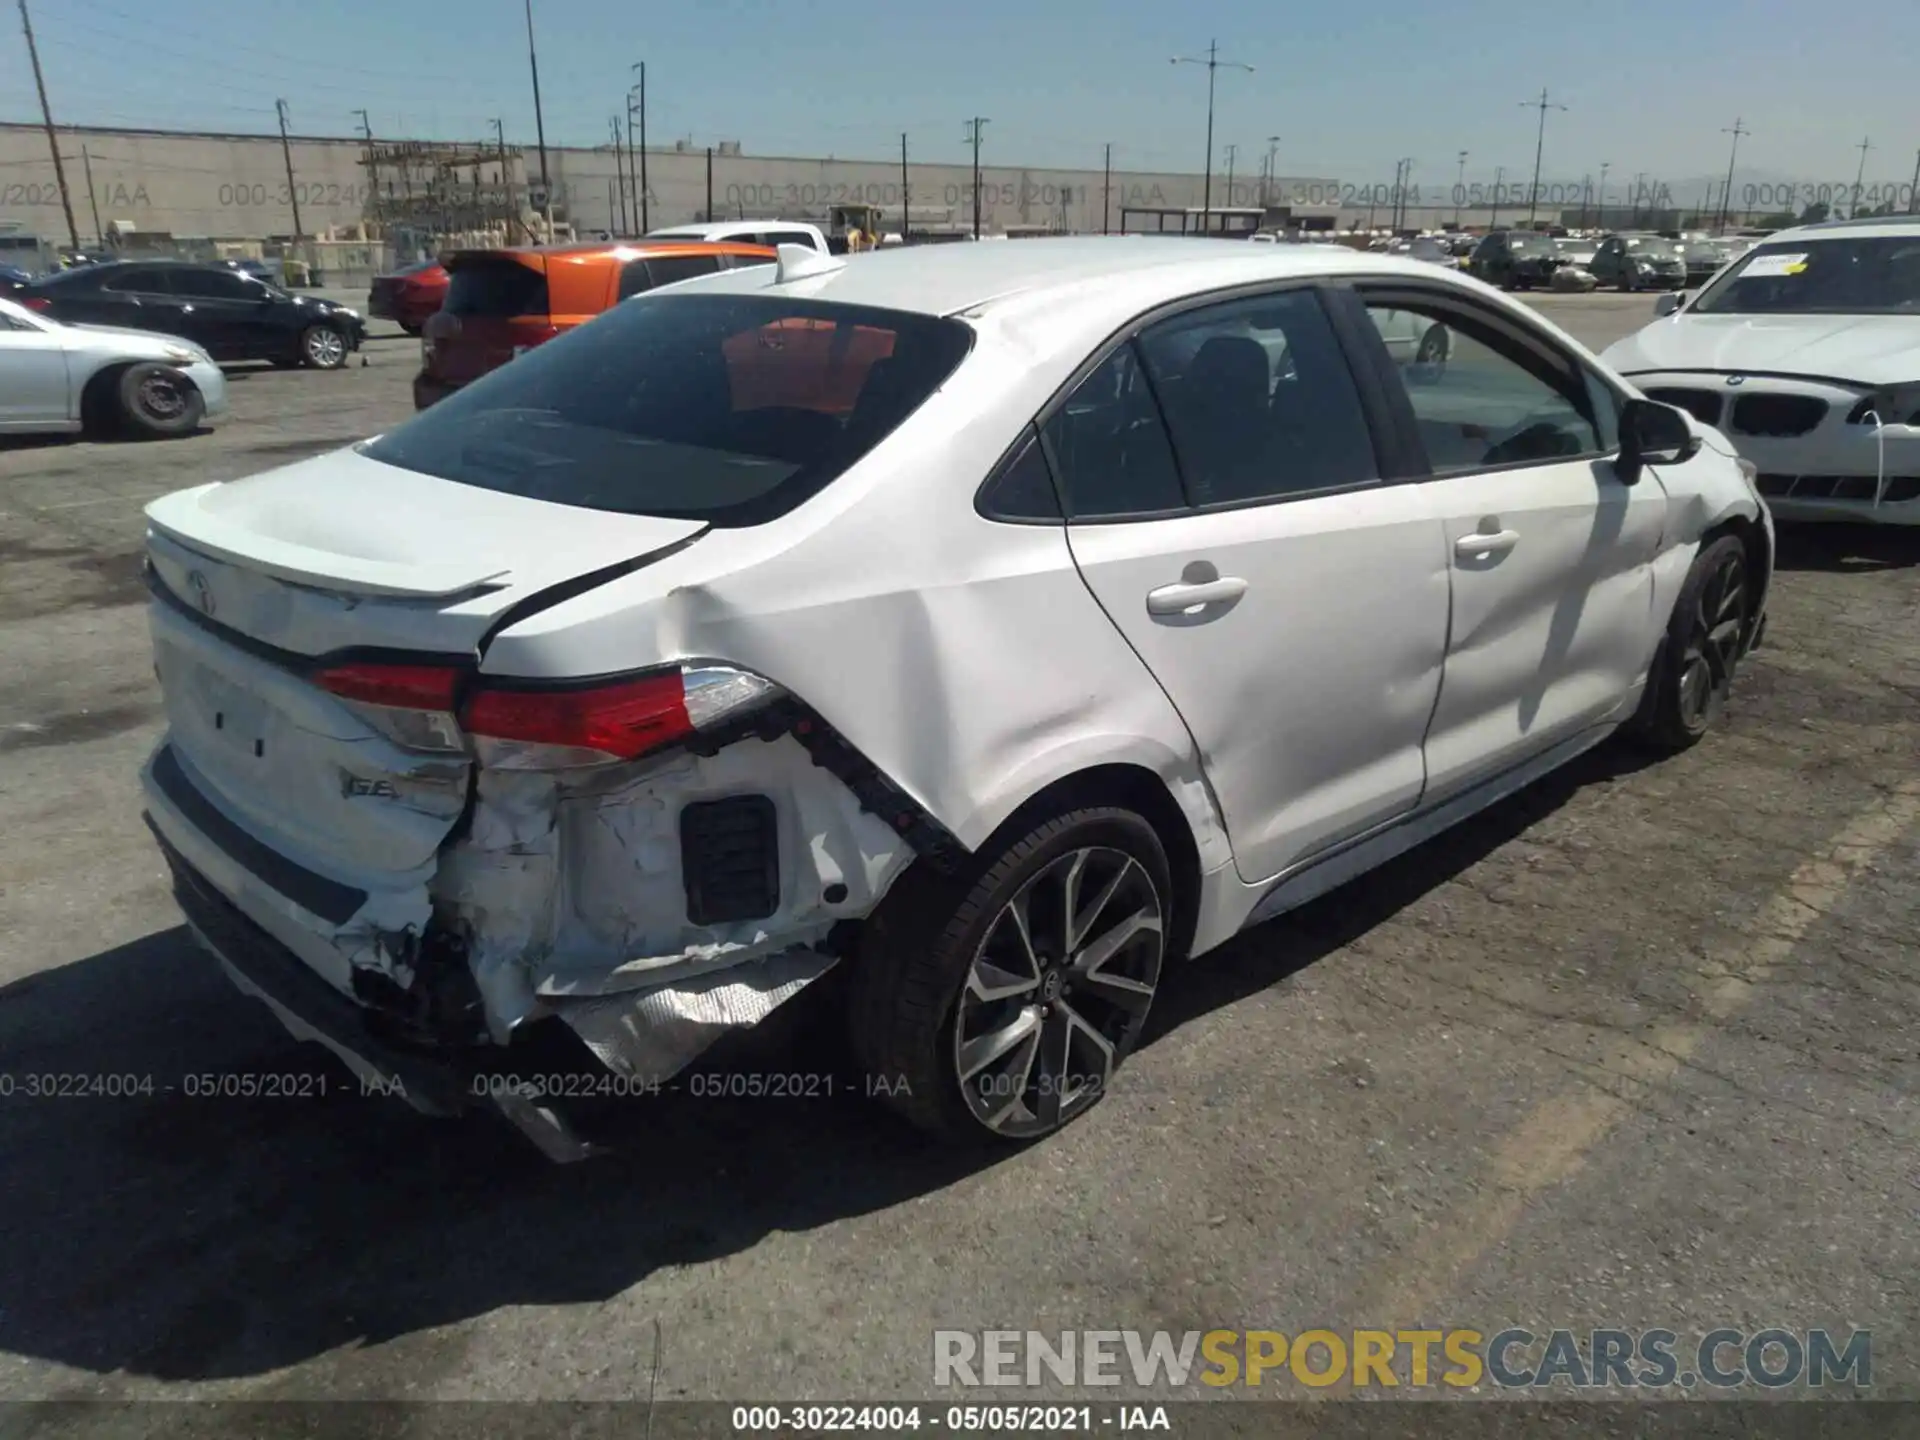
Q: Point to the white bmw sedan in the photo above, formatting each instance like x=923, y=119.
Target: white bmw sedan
x=1806, y=351
x=1004, y=623
x=58, y=378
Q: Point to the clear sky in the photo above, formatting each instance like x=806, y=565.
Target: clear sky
x=1349, y=87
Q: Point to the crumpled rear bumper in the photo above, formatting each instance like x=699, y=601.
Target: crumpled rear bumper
x=647, y=1038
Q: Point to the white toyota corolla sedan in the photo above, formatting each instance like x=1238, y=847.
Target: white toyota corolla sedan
x=1003, y=622
x=1807, y=352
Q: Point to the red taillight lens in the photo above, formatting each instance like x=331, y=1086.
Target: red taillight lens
x=623, y=720
x=409, y=687
x=35, y=302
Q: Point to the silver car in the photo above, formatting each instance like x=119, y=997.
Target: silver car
x=56, y=377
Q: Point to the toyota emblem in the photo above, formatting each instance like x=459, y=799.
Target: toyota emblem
x=202, y=592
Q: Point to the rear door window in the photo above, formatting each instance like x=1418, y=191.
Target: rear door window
x=138, y=281
x=215, y=285
x=495, y=286
x=1260, y=401
x=1109, y=446
x=667, y=269
x=726, y=408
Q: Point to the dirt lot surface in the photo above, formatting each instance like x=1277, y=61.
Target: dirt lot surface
x=1640, y=1047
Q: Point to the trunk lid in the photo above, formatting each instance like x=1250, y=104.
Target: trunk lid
x=264, y=582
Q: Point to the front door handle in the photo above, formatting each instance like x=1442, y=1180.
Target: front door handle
x=1495, y=542
x=1179, y=598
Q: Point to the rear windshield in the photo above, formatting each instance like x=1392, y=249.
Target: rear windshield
x=730, y=409
x=495, y=287
x=1878, y=275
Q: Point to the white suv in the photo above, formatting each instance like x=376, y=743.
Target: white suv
x=1001, y=622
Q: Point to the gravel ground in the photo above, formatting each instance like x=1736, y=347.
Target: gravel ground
x=1635, y=1048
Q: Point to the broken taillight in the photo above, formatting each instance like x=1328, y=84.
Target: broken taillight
x=545, y=727
x=531, y=725
x=412, y=704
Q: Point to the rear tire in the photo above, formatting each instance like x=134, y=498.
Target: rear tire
x=323, y=347
x=981, y=1011
x=156, y=402
x=1706, y=637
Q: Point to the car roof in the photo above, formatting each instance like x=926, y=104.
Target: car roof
x=1138, y=271
x=726, y=227
x=1867, y=227
x=610, y=250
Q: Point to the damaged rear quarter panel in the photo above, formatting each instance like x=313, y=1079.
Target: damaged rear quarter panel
x=569, y=886
x=962, y=657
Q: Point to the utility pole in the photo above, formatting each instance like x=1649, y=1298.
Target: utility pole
x=906, y=213
x=1639, y=191
x=1539, y=146
x=1499, y=179
x=646, y=220
x=1232, y=150
x=1213, y=62
x=1402, y=179
x=1586, y=198
x=1273, y=174
x=973, y=137
x=1726, y=200
x=506, y=183
x=625, y=216
x=1106, y=192
x=1605, y=165
x=539, y=123
x=1459, y=187
x=1913, y=190
x=366, y=125
x=93, y=200
x=46, y=116
x=1863, y=147
x=286, y=154
x=709, y=183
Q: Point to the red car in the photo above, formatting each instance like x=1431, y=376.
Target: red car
x=410, y=296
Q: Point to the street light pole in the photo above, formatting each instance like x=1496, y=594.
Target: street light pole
x=973, y=138
x=539, y=122
x=645, y=216
x=1726, y=200
x=1213, y=62
x=46, y=115
x=1459, y=188
x=1539, y=146
x=1273, y=175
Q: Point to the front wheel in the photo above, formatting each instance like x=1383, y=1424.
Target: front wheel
x=1693, y=674
x=157, y=402
x=998, y=1008
x=323, y=348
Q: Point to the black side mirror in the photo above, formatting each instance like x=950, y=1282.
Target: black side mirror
x=1653, y=434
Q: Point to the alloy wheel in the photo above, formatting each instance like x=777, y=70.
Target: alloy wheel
x=1714, y=634
x=326, y=347
x=1057, y=992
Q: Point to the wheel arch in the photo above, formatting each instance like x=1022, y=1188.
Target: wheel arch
x=96, y=394
x=1132, y=786
x=1758, y=544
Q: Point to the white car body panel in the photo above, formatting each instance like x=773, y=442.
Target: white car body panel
x=973, y=663
x=1834, y=470
x=45, y=368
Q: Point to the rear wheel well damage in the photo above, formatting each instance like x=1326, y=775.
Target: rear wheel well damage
x=1121, y=785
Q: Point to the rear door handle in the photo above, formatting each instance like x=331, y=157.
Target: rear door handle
x=1179, y=598
x=1495, y=542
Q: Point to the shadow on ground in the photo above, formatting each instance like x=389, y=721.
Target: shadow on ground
x=1842, y=548
x=185, y=1236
